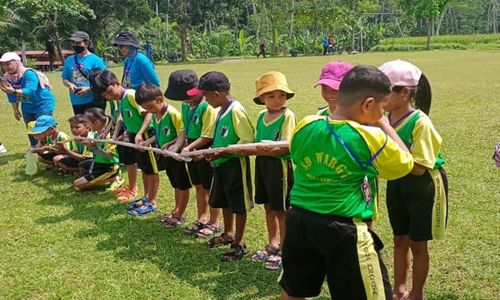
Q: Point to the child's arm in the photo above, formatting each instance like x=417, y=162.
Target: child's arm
x=145, y=125
x=179, y=142
x=387, y=128
x=118, y=126
x=63, y=148
x=198, y=143
x=106, y=131
x=149, y=141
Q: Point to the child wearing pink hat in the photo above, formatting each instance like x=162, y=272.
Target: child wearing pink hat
x=329, y=79
x=418, y=202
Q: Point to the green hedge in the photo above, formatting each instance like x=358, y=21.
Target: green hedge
x=476, y=41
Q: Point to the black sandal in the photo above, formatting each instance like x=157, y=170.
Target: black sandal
x=221, y=240
x=236, y=252
x=194, y=228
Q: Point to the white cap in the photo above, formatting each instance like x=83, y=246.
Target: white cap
x=401, y=73
x=8, y=56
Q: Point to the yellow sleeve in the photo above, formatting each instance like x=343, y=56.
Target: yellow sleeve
x=176, y=119
x=208, y=122
x=131, y=99
x=64, y=137
x=288, y=125
x=426, y=142
x=392, y=162
x=242, y=126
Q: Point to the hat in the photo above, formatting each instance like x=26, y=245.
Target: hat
x=8, y=56
x=79, y=36
x=126, y=39
x=271, y=81
x=333, y=73
x=179, y=83
x=401, y=73
x=212, y=81
x=42, y=124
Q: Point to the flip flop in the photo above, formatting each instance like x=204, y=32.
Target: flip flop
x=143, y=210
x=136, y=204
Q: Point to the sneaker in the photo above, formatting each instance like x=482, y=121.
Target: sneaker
x=2, y=149
x=236, y=252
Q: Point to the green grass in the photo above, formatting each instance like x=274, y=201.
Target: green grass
x=460, y=42
x=59, y=244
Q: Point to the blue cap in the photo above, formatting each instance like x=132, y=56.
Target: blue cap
x=42, y=124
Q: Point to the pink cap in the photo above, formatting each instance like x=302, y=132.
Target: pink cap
x=401, y=73
x=333, y=73
x=194, y=92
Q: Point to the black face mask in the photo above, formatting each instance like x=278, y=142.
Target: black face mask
x=78, y=49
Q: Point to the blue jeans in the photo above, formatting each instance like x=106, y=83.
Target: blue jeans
x=28, y=117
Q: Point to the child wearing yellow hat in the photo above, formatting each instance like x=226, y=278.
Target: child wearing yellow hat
x=273, y=174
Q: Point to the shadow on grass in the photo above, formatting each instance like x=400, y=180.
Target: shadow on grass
x=145, y=239
x=5, y=158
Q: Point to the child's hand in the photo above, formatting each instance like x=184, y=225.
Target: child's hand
x=60, y=148
x=383, y=122
x=138, y=139
x=173, y=148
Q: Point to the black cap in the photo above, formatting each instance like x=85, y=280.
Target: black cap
x=212, y=81
x=179, y=83
x=79, y=36
x=126, y=39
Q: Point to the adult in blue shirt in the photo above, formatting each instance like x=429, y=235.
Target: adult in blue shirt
x=76, y=72
x=138, y=68
x=28, y=87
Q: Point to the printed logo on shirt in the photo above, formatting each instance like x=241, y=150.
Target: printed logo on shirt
x=196, y=119
x=276, y=135
x=166, y=131
x=129, y=113
x=224, y=131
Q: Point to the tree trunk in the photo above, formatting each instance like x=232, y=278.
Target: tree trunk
x=429, y=34
x=291, y=18
x=23, y=52
x=183, y=32
x=441, y=18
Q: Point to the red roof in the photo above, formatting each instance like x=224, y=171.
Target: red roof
x=43, y=52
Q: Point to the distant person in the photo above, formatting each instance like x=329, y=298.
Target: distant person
x=2, y=149
x=148, y=48
x=330, y=46
x=28, y=87
x=137, y=68
x=324, y=42
x=262, y=48
x=51, y=52
x=76, y=71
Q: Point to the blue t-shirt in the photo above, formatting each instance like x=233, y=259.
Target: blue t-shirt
x=71, y=73
x=35, y=100
x=139, y=69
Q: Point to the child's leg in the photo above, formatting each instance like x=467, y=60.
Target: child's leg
x=241, y=221
x=153, y=181
x=80, y=183
x=281, y=215
x=272, y=226
x=214, y=216
x=420, y=268
x=132, y=177
x=401, y=264
x=285, y=296
x=181, y=201
x=202, y=203
x=228, y=218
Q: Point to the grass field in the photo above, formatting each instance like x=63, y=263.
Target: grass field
x=59, y=244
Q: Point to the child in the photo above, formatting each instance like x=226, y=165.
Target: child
x=103, y=167
x=167, y=124
x=336, y=163
x=417, y=203
x=45, y=131
x=137, y=123
x=231, y=186
x=329, y=79
x=273, y=175
x=198, y=119
x=71, y=156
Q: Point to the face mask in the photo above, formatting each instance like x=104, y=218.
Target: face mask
x=78, y=49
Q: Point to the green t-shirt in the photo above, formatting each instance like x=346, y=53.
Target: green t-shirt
x=424, y=142
x=168, y=127
x=279, y=129
x=198, y=121
x=232, y=126
x=131, y=112
x=98, y=156
x=61, y=136
x=327, y=178
x=80, y=149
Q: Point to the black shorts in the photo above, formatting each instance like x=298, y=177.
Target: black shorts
x=273, y=181
x=48, y=156
x=200, y=172
x=340, y=248
x=145, y=159
x=232, y=186
x=97, y=172
x=176, y=172
x=411, y=204
x=70, y=162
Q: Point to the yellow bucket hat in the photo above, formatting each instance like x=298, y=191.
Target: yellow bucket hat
x=271, y=81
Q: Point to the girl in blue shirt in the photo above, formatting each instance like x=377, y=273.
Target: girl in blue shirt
x=28, y=87
x=137, y=67
x=76, y=72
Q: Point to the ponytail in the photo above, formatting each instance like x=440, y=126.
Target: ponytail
x=423, y=95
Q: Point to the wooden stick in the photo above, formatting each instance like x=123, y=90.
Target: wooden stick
x=249, y=146
x=139, y=147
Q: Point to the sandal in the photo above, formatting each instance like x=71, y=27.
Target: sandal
x=174, y=221
x=207, y=231
x=143, y=210
x=126, y=196
x=195, y=227
x=236, y=252
x=136, y=204
x=221, y=240
x=264, y=255
x=273, y=263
